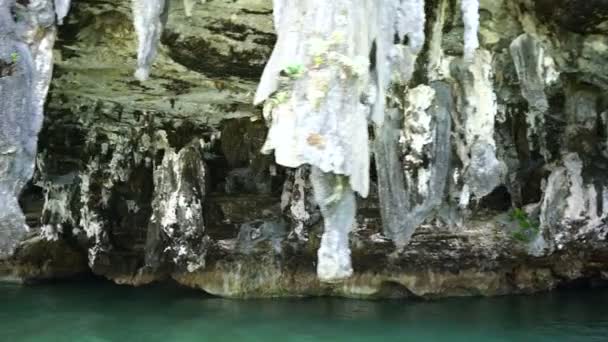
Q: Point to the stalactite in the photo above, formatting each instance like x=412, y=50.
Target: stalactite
x=411, y=19
x=394, y=204
x=470, y=17
x=40, y=37
x=62, y=7
x=15, y=88
x=315, y=81
x=313, y=86
x=395, y=62
x=317, y=117
x=334, y=263
x=398, y=62
x=482, y=170
x=529, y=59
x=411, y=189
x=438, y=64
x=26, y=68
x=149, y=18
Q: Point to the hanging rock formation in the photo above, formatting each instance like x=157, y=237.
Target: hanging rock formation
x=25, y=75
x=149, y=17
x=313, y=86
x=484, y=121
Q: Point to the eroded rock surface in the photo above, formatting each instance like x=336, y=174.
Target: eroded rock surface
x=498, y=156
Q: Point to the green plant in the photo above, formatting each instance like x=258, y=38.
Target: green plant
x=294, y=71
x=527, y=229
x=15, y=57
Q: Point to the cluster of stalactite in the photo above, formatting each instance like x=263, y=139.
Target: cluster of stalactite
x=322, y=88
x=341, y=67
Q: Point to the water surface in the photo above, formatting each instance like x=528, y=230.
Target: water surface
x=99, y=312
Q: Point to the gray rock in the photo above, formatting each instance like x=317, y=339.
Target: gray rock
x=518, y=124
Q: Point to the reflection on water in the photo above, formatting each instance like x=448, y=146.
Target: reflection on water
x=103, y=312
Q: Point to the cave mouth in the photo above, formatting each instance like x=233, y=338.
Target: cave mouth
x=31, y=202
x=590, y=282
x=498, y=200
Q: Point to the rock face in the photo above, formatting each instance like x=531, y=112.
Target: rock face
x=27, y=35
x=494, y=160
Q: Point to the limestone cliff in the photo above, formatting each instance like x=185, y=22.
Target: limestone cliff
x=488, y=160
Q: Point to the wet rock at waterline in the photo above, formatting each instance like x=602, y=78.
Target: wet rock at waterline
x=486, y=161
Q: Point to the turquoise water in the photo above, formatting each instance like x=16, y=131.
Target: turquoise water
x=102, y=312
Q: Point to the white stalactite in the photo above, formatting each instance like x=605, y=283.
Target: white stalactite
x=42, y=54
x=529, y=58
x=470, y=17
x=334, y=262
x=395, y=63
x=411, y=19
x=313, y=86
x=149, y=17
x=483, y=170
x=62, y=7
x=317, y=115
